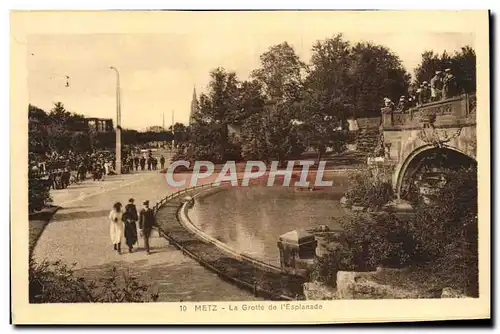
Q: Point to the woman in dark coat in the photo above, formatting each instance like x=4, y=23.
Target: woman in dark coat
x=130, y=218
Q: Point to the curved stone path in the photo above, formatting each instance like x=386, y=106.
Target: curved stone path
x=79, y=233
x=273, y=284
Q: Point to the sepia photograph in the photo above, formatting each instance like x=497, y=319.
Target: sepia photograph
x=228, y=166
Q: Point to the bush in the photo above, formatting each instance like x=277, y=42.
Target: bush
x=54, y=282
x=325, y=268
x=38, y=193
x=377, y=239
x=447, y=231
x=440, y=239
x=369, y=191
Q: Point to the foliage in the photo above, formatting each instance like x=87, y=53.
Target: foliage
x=62, y=131
x=441, y=237
x=38, y=192
x=380, y=239
x=325, y=268
x=375, y=73
x=368, y=191
x=344, y=81
x=54, y=282
x=216, y=111
x=462, y=64
x=450, y=232
x=280, y=73
x=180, y=133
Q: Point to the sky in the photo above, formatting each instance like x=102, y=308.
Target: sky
x=158, y=71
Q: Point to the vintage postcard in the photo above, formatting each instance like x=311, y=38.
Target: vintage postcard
x=249, y=167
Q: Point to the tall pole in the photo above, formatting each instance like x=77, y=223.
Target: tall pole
x=118, y=124
x=163, y=129
x=173, y=137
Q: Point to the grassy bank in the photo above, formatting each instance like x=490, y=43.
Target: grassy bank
x=37, y=223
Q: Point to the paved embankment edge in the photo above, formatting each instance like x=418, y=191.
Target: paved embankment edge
x=37, y=223
x=186, y=222
x=241, y=283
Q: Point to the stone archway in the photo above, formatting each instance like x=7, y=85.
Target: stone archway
x=428, y=164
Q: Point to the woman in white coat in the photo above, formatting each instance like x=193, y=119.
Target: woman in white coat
x=116, y=226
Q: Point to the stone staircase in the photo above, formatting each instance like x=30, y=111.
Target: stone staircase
x=367, y=139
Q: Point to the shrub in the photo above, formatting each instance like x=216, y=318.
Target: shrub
x=441, y=239
x=38, y=193
x=325, y=268
x=54, y=282
x=368, y=191
x=380, y=239
x=447, y=231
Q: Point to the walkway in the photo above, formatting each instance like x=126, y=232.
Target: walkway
x=79, y=233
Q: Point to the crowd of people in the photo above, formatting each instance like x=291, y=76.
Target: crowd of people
x=442, y=86
x=148, y=162
x=60, y=170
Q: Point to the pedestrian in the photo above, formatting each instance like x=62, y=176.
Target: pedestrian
x=143, y=163
x=449, y=85
x=116, y=226
x=130, y=219
x=426, y=93
x=136, y=162
x=402, y=104
x=106, y=168
x=162, y=162
x=437, y=86
x=147, y=221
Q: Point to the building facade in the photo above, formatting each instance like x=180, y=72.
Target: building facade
x=100, y=124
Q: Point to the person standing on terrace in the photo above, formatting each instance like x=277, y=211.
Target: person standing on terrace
x=437, y=86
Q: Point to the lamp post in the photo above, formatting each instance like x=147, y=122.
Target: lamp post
x=118, y=124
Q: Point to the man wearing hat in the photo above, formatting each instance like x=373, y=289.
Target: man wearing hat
x=437, y=86
x=426, y=92
x=449, y=84
x=402, y=104
x=147, y=221
x=388, y=103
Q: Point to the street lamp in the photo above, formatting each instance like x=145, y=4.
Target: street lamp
x=118, y=166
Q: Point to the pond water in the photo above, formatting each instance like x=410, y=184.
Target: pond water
x=251, y=219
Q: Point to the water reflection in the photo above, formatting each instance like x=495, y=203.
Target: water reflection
x=250, y=220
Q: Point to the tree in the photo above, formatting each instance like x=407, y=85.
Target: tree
x=217, y=109
x=180, y=133
x=462, y=64
x=38, y=140
x=281, y=136
x=280, y=77
x=375, y=73
x=325, y=102
x=81, y=142
x=281, y=73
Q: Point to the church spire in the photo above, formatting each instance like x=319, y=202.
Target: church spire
x=194, y=106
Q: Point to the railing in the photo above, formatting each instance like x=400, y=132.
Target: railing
x=164, y=200
x=445, y=111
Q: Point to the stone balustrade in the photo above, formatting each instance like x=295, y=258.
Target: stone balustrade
x=452, y=111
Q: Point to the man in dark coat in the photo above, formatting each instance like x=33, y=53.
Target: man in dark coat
x=147, y=221
x=136, y=162
x=162, y=162
x=130, y=218
x=449, y=85
x=143, y=163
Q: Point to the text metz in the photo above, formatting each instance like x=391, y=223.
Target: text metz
x=205, y=308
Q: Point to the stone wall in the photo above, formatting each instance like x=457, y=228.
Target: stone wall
x=364, y=285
